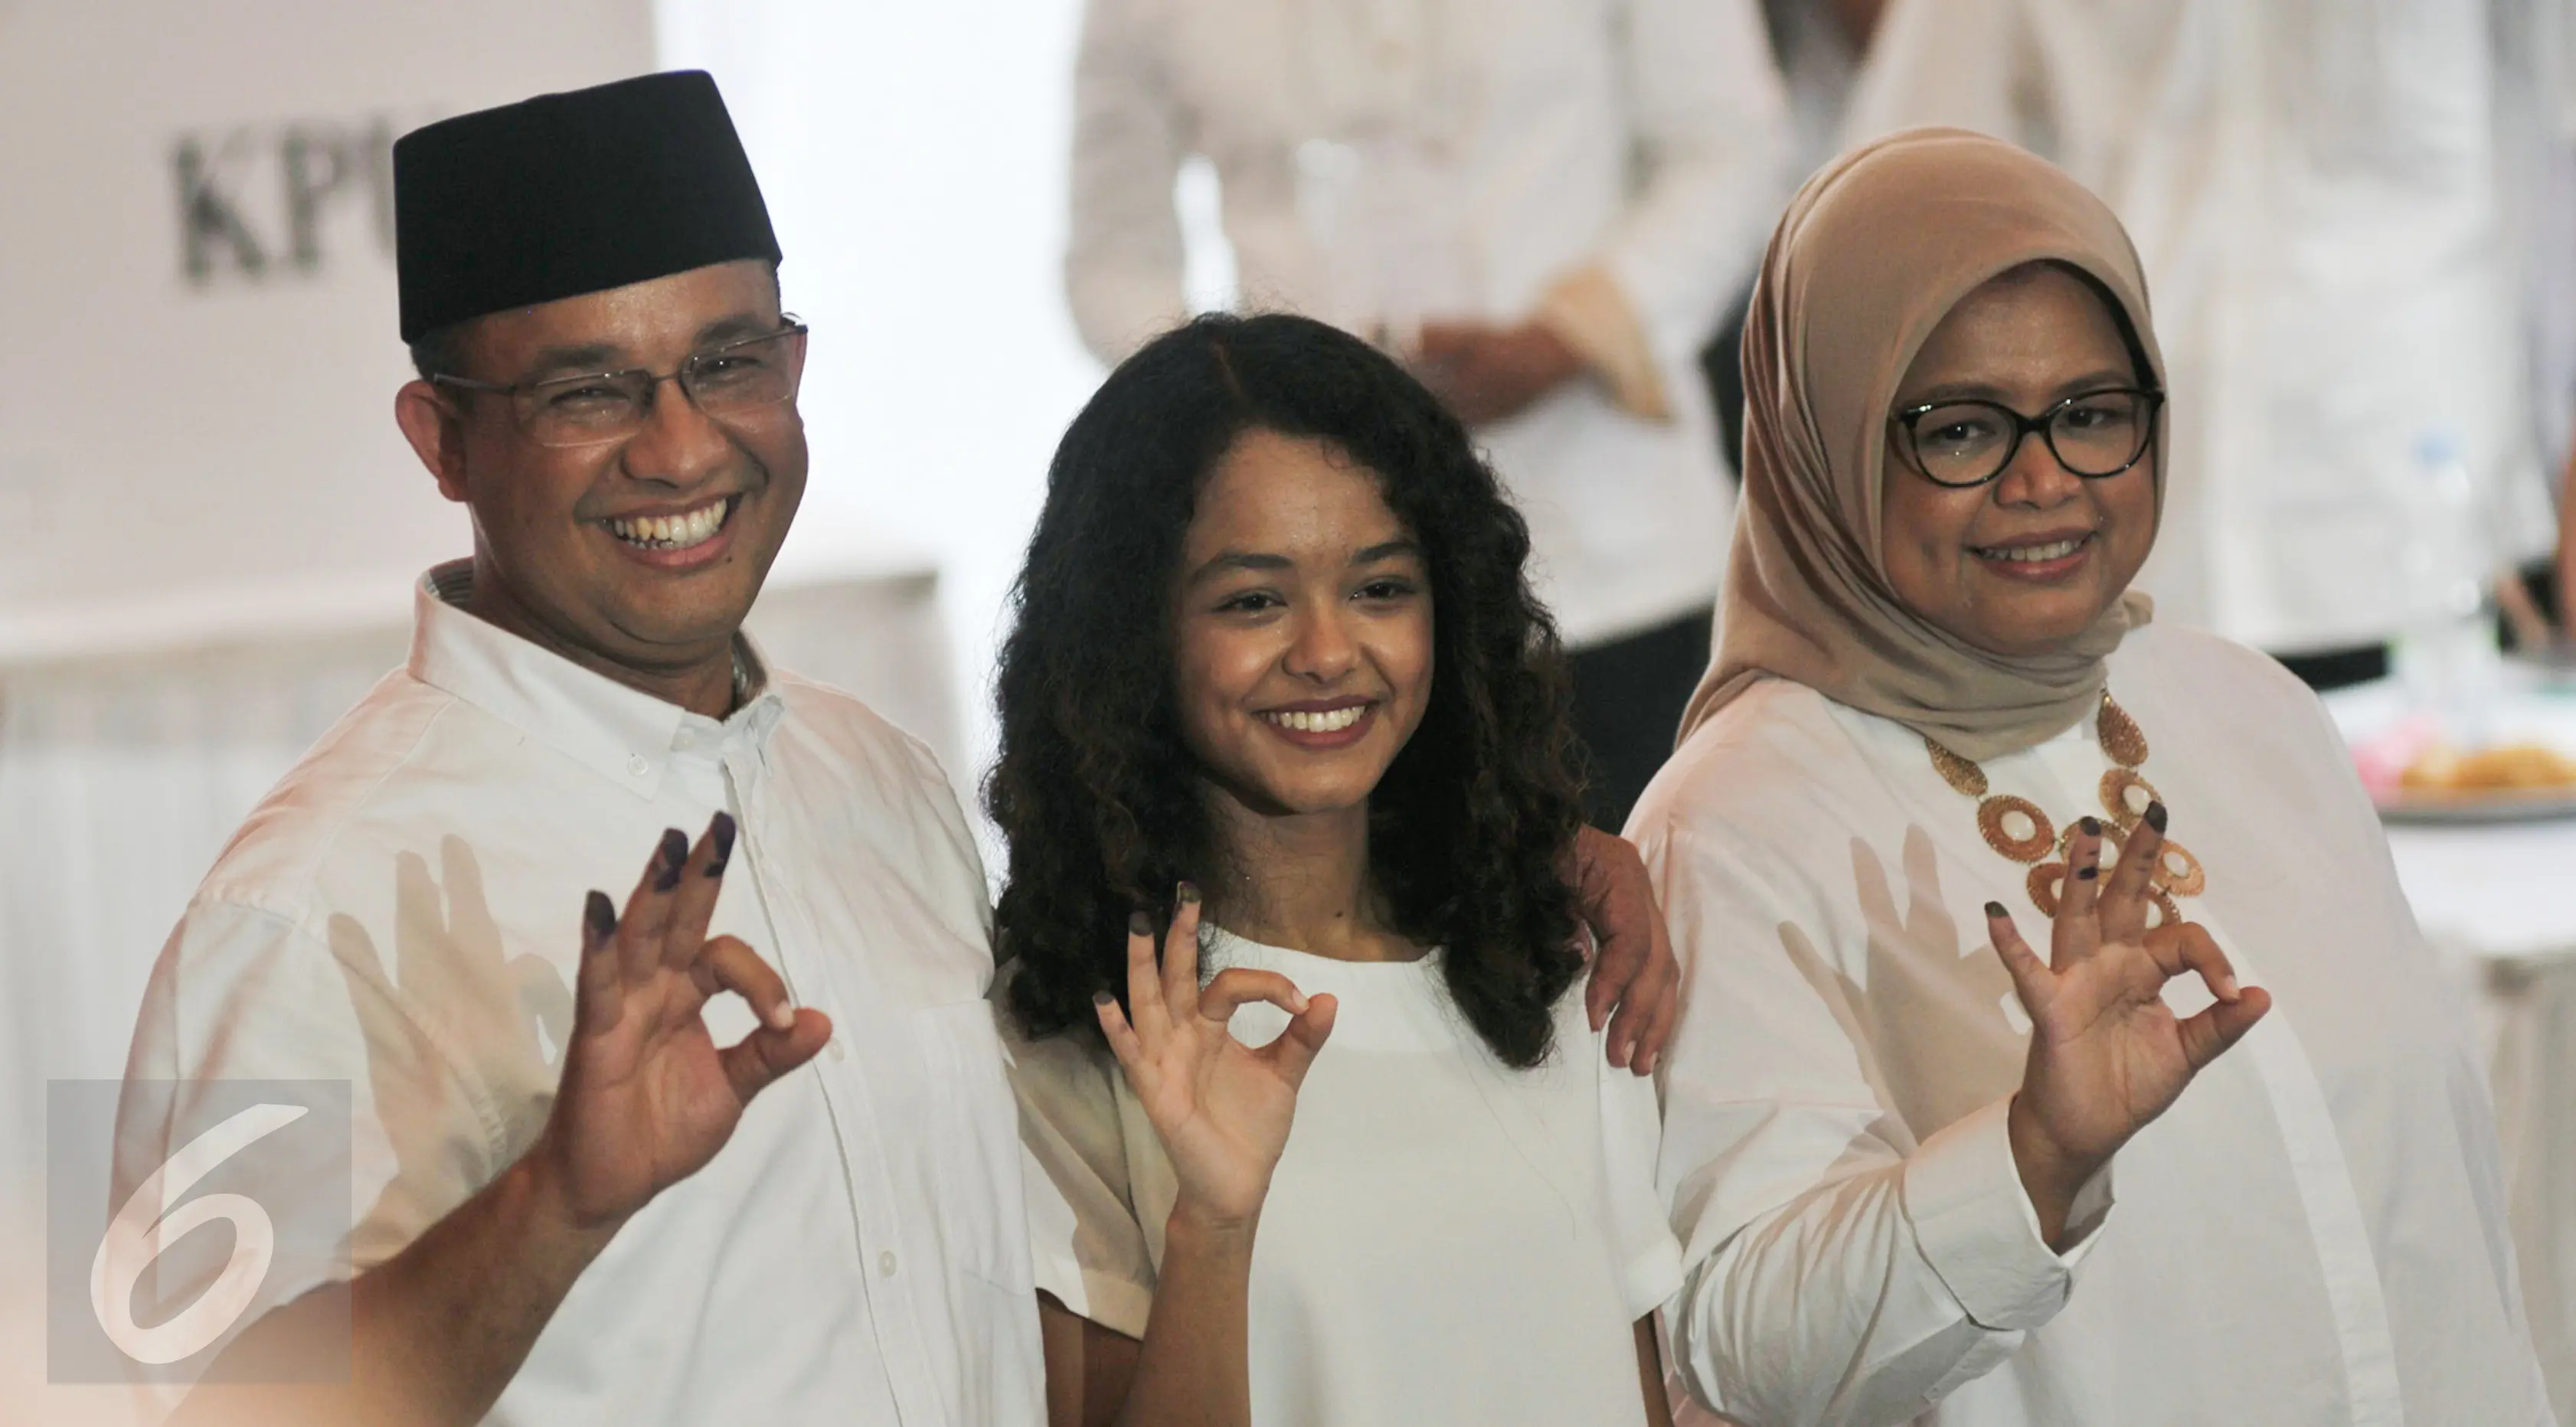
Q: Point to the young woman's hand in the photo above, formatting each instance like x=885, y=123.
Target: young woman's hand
x=1221, y=1108
x=2106, y=1054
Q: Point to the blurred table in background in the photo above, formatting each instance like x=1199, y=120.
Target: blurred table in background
x=2499, y=899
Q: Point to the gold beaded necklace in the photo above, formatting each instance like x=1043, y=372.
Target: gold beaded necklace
x=2016, y=828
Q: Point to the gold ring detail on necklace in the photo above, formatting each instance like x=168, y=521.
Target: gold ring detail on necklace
x=2125, y=796
x=2178, y=872
x=2047, y=883
x=2166, y=913
x=1963, y=775
x=2121, y=737
x=2112, y=842
x=2015, y=827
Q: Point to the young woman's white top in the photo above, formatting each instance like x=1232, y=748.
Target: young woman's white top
x=1447, y=1239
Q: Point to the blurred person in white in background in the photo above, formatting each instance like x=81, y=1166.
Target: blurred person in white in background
x=2536, y=134
x=2318, y=191
x=1541, y=205
x=1819, y=45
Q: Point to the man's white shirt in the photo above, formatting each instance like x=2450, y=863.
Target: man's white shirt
x=403, y=913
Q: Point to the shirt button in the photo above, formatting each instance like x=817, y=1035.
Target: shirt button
x=839, y=1046
x=637, y=766
x=885, y=1263
x=684, y=738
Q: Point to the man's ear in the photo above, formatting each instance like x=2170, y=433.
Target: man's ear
x=435, y=427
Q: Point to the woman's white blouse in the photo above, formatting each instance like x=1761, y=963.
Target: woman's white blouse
x=2314, y=1233
x=1447, y=1239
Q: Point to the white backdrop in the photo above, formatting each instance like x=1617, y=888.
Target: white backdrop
x=196, y=264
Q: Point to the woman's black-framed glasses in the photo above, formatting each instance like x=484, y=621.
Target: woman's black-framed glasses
x=2092, y=434
x=735, y=380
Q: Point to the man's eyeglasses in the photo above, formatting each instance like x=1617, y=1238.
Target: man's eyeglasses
x=1968, y=443
x=735, y=380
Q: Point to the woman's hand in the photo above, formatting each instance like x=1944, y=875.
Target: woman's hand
x=2106, y=1054
x=1221, y=1108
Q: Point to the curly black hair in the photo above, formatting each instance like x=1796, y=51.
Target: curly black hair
x=1101, y=804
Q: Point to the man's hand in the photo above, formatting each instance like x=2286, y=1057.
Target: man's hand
x=1486, y=374
x=436, y=1332
x=646, y=1097
x=1634, y=968
x=2106, y=1054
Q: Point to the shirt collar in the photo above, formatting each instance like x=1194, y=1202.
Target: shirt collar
x=623, y=734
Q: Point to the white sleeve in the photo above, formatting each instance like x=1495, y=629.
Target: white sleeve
x=1124, y=259
x=1085, y=1241
x=1836, y=1273
x=242, y=994
x=1650, y=1258
x=1709, y=123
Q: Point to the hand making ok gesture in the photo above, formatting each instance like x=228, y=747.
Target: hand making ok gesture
x=647, y=1097
x=2106, y=1054
x=1221, y=1108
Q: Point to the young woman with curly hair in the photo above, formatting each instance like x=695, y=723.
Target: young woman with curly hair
x=1278, y=684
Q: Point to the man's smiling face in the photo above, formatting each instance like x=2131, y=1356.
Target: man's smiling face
x=638, y=554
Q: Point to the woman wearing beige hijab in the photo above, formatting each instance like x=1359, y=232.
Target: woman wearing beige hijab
x=2210, y=1146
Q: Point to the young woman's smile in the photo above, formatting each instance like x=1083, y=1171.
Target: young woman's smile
x=1302, y=628
x=1323, y=723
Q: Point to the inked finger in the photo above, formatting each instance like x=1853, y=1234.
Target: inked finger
x=1144, y=980
x=729, y=964
x=1240, y=986
x=2207, y=1036
x=1122, y=1036
x=596, y=1003
x=2076, y=934
x=693, y=899
x=648, y=907
x=1181, y=948
x=1294, y=1052
x=2123, y=912
x=2031, y=978
x=756, y=1061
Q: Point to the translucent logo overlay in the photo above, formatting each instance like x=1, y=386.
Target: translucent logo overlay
x=179, y=1213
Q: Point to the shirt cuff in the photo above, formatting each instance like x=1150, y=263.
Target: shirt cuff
x=1112, y=1302
x=1975, y=1225
x=1587, y=311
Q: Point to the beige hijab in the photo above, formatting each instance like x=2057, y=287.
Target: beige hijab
x=1870, y=256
